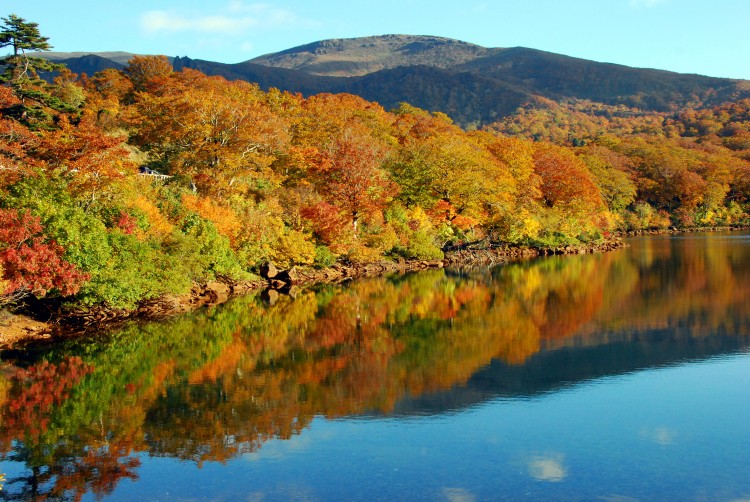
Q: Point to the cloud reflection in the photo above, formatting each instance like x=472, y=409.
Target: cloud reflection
x=458, y=495
x=659, y=435
x=618, y=498
x=549, y=468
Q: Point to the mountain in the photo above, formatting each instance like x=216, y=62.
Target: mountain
x=359, y=56
x=470, y=99
x=90, y=63
x=472, y=84
x=119, y=57
x=556, y=76
x=553, y=76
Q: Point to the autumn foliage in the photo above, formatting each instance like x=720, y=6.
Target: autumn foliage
x=30, y=262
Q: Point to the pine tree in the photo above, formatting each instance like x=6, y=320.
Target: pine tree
x=20, y=72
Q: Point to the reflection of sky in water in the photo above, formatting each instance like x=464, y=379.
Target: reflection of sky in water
x=547, y=468
x=458, y=495
x=674, y=433
x=659, y=435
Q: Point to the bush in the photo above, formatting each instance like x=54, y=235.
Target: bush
x=323, y=257
x=291, y=248
x=31, y=263
x=136, y=271
x=212, y=255
x=421, y=246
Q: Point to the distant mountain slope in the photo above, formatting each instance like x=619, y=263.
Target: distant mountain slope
x=116, y=56
x=556, y=76
x=468, y=98
x=472, y=84
x=359, y=56
x=90, y=64
x=546, y=74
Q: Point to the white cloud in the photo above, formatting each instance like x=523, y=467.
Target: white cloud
x=170, y=22
x=234, y=18
x=481, y=8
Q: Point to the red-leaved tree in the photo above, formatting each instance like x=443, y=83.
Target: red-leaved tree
x=31, y=263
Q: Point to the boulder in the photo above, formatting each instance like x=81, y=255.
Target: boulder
x=217, y=292
x=291, y=291
x=268, y=270
x=290, y=276
x=277, y=284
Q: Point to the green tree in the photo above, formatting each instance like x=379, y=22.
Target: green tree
x=20, y=71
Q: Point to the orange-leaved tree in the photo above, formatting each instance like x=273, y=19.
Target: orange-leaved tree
x=355, y=180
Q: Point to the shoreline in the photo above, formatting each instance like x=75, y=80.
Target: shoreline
x=674, y=231
x=20, y=330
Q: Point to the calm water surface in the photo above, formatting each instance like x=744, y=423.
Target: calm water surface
x=615, y=377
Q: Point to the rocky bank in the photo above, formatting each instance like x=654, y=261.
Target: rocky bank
x=47, y=325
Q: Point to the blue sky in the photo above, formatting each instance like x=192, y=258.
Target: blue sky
x=690, y=36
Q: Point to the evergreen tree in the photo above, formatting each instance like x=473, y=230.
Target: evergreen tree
x=20, y=72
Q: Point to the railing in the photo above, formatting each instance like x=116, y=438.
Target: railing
x=156, y=175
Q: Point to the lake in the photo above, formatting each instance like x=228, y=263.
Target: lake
x=616, y=377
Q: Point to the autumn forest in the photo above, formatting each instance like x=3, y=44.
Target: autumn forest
x=126, y=185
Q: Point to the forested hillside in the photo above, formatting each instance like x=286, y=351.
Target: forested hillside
x=129, y=184
x=474, y=85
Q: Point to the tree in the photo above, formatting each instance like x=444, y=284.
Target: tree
x=453, y=173
x=95, y=159
x=220, y=134
x=20, y=71
x=355, y=179
x=22, y=36
x=31, y=263
x=617, y=189
x=565, y=180
x=144, y=71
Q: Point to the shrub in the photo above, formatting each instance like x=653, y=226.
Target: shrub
x=323, y=257
x=421, y=246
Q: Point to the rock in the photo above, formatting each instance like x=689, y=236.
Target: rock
x=268, y=270
x=290, y=276
x=217, y=292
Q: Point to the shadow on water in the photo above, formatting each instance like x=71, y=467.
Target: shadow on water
x=215, y=384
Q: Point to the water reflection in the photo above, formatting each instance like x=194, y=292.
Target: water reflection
x=548, y=468
x=659, y=435
x=213, y=385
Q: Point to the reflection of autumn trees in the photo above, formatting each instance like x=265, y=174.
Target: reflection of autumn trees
x=561, y=294
x=36, y=389
x=699, y=282
x=212, y=385
x=29, y=418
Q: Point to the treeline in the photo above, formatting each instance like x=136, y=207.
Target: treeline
x=250, y=176
x=693, y=166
